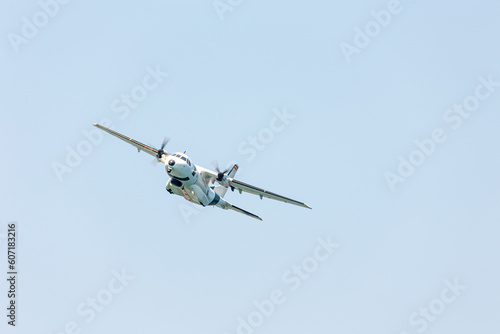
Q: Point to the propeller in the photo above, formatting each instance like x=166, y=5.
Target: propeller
x=161, y=151
x=220, y=175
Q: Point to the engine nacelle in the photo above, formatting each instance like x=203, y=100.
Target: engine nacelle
x=174, y=186
x=174, y=182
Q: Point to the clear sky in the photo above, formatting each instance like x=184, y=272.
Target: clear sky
x=388, y=128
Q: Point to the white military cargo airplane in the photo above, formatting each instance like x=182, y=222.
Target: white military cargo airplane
x=197, y=184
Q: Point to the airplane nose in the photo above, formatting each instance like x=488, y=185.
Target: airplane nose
x=171, y=162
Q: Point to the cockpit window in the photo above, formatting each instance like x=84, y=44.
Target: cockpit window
x=184, y=158
x=189, y=162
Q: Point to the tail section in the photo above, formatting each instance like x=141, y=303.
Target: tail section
x=235, y=208
x=223, y=204
x=233, y=171
x=221, y=191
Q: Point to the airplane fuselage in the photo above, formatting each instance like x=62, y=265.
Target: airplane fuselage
x=185, y=181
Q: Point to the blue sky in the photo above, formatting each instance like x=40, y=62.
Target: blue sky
x=102, y=247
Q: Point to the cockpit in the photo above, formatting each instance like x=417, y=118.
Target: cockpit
x=182, y=157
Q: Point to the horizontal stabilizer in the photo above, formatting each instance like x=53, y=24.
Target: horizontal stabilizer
x=235, y=208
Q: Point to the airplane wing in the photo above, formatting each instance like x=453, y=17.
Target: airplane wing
x=140, y=146
x=206, y=174
x=241, y=186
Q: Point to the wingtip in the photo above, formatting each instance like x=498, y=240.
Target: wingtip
x=307, y=206
x=255, y=217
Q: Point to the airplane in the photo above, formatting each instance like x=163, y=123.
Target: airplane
x=197, y=184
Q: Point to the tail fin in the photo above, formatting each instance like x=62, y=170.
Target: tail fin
x=221, y=190
x=233, y=171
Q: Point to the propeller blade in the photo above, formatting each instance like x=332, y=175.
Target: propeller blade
x=215, y=164
x=155, y=160
x=161, y=152
x=164, y=142
x=220, y=175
